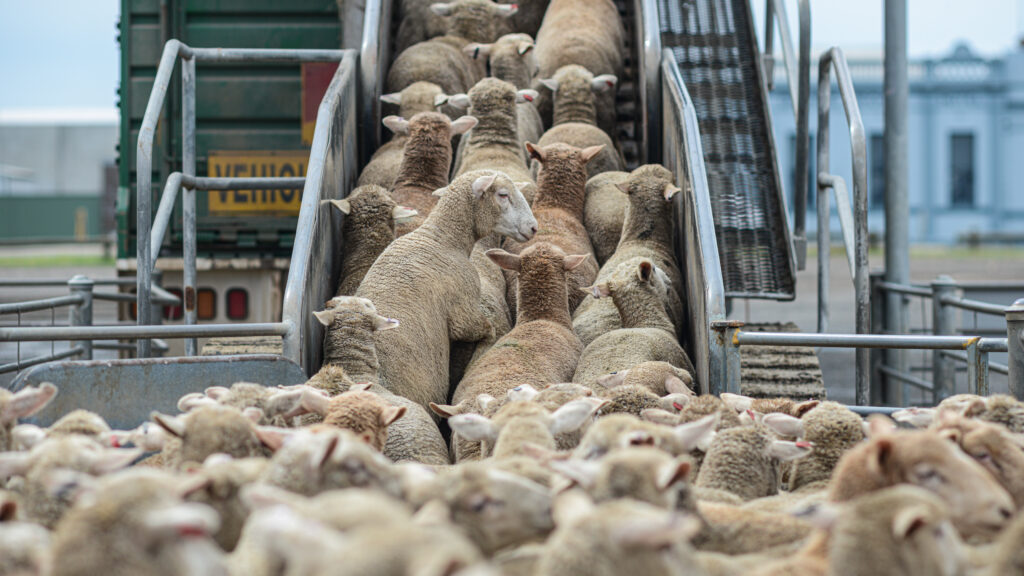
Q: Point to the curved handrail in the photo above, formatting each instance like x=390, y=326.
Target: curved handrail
x=695, y=240
x=835, y=59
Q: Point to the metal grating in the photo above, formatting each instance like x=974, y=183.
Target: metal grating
x=715, y=48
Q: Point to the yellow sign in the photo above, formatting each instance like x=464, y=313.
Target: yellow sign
x=256, y=164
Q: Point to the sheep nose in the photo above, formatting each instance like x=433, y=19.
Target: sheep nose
x=1005, y=512
x=533, y=229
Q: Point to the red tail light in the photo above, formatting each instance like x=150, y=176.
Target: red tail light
x=238, y=304
x=174, y=312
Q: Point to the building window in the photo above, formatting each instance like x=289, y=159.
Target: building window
x=812, y=190
x=876, y=179
x=961, y=148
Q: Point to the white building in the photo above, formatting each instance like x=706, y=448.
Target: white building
x=966, y=142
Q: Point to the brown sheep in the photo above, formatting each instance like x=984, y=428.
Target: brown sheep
x=580, y=97
x=513, y=60
x=418, y=97
x=425, y=162
x=558, y=207
x=426, y=279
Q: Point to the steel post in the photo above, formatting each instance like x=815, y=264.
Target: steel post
x=943, y=323
x=824, y=234
x=1015, y=346
x=188, y=198
x=803, y=139
x=729, y=380
x=879, y=381
x=81, y=314
x=897, y=211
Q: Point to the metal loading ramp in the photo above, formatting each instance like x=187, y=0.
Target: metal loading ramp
x=715, y=47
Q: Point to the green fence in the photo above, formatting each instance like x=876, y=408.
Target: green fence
x=26, y=217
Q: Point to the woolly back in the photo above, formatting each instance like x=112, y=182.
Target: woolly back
x=418, y=97
x=493, y=103
x=638, y=293
x=513, y=60
x=477, y=20
x=649, y=215
x=738, y=461
x=371, y=209
x=348, y=341
x=428, y=153
x=562, y=180
x=542, y=290
x=575, y=98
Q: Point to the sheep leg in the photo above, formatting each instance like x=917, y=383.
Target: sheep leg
x=469, y=324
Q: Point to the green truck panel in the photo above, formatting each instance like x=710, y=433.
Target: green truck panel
x=239, y=107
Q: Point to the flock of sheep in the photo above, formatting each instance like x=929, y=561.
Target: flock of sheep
x=524, y=304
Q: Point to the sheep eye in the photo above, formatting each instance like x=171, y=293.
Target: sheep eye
x=982, y=456
x=929, y=476
x=503, y=195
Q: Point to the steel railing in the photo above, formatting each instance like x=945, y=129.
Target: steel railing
x=696, y=243
x=798, y=74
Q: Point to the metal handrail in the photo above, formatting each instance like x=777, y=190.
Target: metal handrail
x=41, y=304
x=834, y=58
x=974, y=305
x=55, y=333
x=173, y=50
x=649, y=75
x=36, y=360
x=798, y=72
x=697, y=245
x=373, y=60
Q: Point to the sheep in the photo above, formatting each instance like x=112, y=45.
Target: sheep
x=17, y=405
x=584, y=136
x=661, y=378
x=513, y=60
x=618, y=537
x=418, y=97
x=350, y=352
x=744, y=461
x=77, y=422
x=978, y=503
x=647, y=333
x=642, y=473
x=785, y=406
x=425, y=162
x=242, y=396
x=647, y=233
x=136, y=524
x=558, y=207
x=24, y=549
x=992, y=446
x=1007, y=558
x=493, y=288
x=35, y=467
x=833, y=430
x=426, y=279
x=493, y=144
x=434, y=550
x=529, y=15
x=369, y=226
x=622, y=430
x=518, y=424
x=364, y=413
x=341, y=510
x=218, y=483
x=587, y=33
x=471, y=20
x=905, y=529
x=1000, y=409
x=604, y=212
x=581, y=97
x=542, y=348
x=208, y=430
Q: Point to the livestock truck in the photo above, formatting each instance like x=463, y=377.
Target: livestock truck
x=239, y=118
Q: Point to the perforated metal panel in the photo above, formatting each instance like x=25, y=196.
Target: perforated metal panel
x=714, y=44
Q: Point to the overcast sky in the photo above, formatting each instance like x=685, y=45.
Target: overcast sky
x=63, y=53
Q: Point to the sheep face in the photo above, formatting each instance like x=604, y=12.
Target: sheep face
x=514, y=60
x=979, y=505
x=514, y=217
x=998, y=451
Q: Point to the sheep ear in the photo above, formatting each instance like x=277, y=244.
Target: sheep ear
x=505, y=260
x=216, y=392
x=314, y=401
x=601, y=290
x=460, y=101
x=785, y=451
x=440, y=100
x=908, y=521
x=549, y=83
x=481, y=184
x=440, y=192
x=659, y=416
x=190, y=402
x=582, y=472
x=273, y=437
x=784, y=424
x=645, y=270
x=402, y=214
x=604, y=82
x=821, y=515
x=254, y=414
x=916, y=417
x=396, y=124
x=113, y=459
x=507, y=9
x=572, y=415
x=974, y=408
x=343, y=205
x=442, y=9
x=8, y=511
x=444, y=410
x=612, y=379
x=321, y=457
x=672, y=472
x=804, y=407
x=473, y=427
x=521, y=393
x=737, y=402
x=573, y=261
x=286, y=403
x=670, y=191
x=589, y=152
x=384, y=323
x=390, y=414
x=879, y=424
x=526, y=95
x=463, y=124
x=476, y=50
x=696, y=434
x=25, y=436
x=623, y=186
x=676, y=385
x=535, y=152
x=656, y=535
x=484, y=400
x=393, y=98
x=326, y=317
x=27, y=401
x=173, y=425
x=525, y=47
